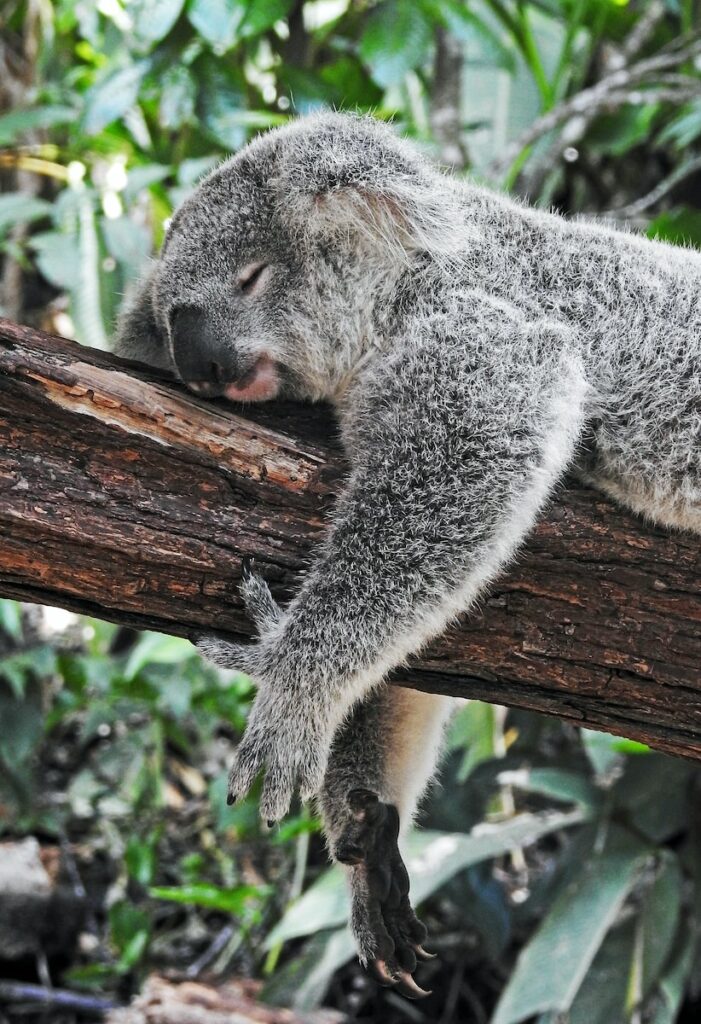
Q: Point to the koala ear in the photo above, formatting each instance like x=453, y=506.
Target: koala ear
x=344, y=175
x=138, y=335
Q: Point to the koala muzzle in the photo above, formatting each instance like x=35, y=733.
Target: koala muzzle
x=201, y=357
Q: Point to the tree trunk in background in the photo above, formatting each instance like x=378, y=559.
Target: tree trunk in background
x=124, y=497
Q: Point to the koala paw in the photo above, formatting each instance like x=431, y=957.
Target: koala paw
x=226, y=655
x=388, y=933
x=288, y=745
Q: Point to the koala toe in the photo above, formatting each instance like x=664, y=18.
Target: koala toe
x=260, y=604
x=388, y=933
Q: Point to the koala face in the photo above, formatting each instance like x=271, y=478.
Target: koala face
x=270, y=271
x=224, y=279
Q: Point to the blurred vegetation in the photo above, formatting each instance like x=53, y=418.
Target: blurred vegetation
x=558, y=870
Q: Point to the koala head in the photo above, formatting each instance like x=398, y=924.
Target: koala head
x=270, y=272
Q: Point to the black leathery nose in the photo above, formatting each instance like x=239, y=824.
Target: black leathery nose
x=199, y=351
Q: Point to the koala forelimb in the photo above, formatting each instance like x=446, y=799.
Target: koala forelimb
x=474, y=350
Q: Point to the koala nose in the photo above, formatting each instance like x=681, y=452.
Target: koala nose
x=201, y=358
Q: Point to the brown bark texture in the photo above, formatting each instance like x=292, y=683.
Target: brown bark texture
x=125, y=497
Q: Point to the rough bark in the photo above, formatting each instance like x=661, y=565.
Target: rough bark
x=125, y=497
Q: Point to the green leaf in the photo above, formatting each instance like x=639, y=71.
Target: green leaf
x=619, y=132
x=201, y=894
x=112, y=95
x=86, y=297
x=568, y=787
x=659, y=919
x=157, y=648
x=685, y=129
x=303, y=981
x=140, y=859
x=18, y=208
x=681, y=227
x=603, y=995
x=221, y=102
x=58, y=258
x=551, y=968
x=130, y=931
x=395, y=41
x=129, y=243
x=11, y=618
x=143, y=176
x=17, y=123
x=473, y=728
x=153, y=19
x=673, y=985
x=22, y=722
x=432, y=859
x=483, y=44
x=262, y=14
x=217, y=21
x=178, y=94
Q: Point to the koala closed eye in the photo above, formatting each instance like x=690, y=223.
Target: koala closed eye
x=252, y=276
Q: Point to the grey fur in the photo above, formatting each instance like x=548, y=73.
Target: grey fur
x=474, y=349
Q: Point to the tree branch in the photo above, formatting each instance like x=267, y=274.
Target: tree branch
x=125, y=497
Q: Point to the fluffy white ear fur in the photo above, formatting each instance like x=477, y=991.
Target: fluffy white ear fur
x=382, y=195
x=398, y=220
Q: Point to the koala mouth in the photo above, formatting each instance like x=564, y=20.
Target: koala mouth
x=258, y=384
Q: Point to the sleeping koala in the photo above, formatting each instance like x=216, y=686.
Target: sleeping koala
x=469, y=346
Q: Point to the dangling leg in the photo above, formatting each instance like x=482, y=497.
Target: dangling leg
x=381, y=760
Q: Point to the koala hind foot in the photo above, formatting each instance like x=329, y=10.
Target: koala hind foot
x=388, y=933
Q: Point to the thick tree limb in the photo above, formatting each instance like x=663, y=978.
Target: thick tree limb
x=125, y=497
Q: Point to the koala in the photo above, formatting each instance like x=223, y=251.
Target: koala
x=474, y=350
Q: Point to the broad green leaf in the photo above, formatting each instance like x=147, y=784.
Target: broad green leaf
x=153, y=19
x=201, y=894
x=685, y=128
x=18, y=208
x=659, y=919
x=658, y=811
x=17, y=123
x=681, y=226
x=262, y=14
x=473, y=729
x=483, y=43
x=159, y=649
x=143, y=176
x=129, y=243
x=58, y=258
x=557, y=783
x=672, y=987
x=303, y=981
x=552, y=966
x=220, y=103
x=130, y=932
x=604, y=750
x=140, y=859
x=22, y=723
x=619, y=132
x=432, y=859
x=395, y=41
x=111, y=96
x=178, y=94
x=86, y=298
x=603, y=995
x=11, y=618
x=217, y=21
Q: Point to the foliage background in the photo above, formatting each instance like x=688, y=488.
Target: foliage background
x=576, y=897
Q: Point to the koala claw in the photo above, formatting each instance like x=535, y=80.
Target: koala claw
x=387, y=930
